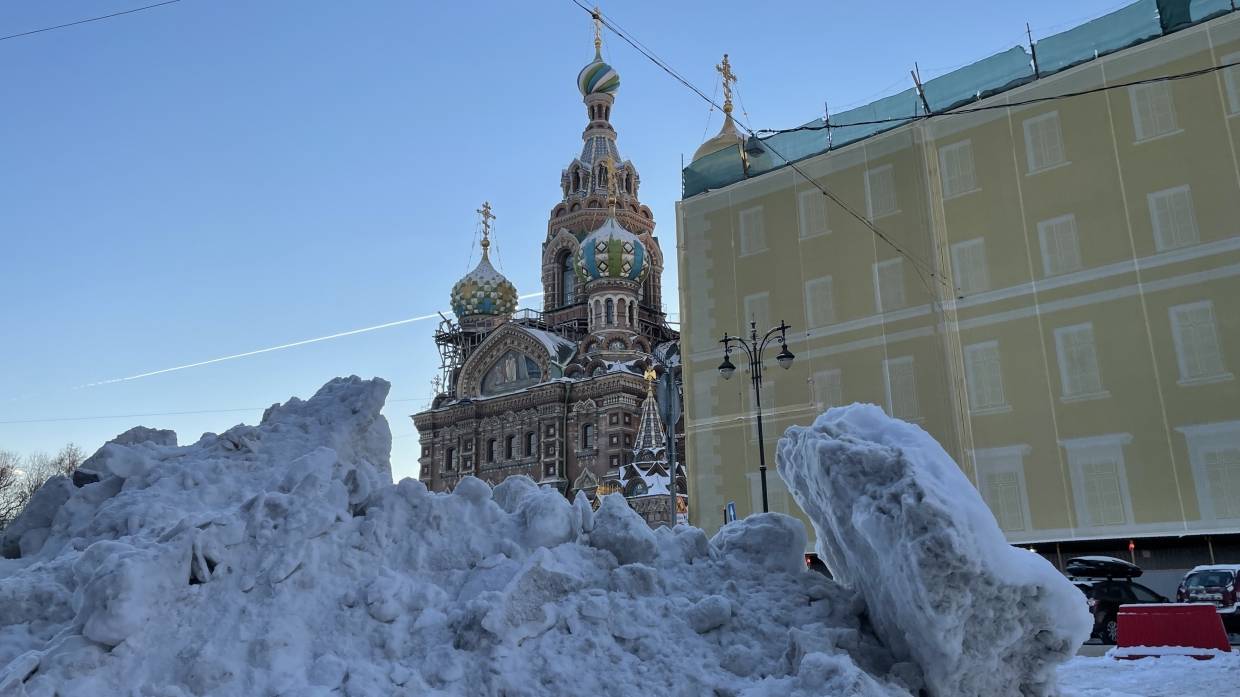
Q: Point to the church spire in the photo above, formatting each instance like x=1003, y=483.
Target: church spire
x=487, y=216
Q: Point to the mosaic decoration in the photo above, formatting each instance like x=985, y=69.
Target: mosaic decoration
x=598, y=77
x=612, y=252
x=484, y=291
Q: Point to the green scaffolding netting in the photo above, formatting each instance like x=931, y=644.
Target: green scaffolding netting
x=1140, y=21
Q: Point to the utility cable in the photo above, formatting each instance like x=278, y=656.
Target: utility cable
x=84, y=21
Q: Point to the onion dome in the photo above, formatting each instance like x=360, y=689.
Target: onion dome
x=727, y=137
x=598, y=77
x=612, y=252
x=484, y=291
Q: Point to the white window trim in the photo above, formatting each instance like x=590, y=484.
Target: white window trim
x=1138, y=138
x=1185, y=379
x=917, y=416
x=754, y=211
x=1065, y=396
x=810, y=304
x=817, y=197
x=1043, y=228
x=1113, y=442
x=1160, y=241
x=1002, y=408
x=746, y=317
x=1009, y=458
x=1199, y=438
x=1029, y=154
x=957, y=266
x=966, y=144
x=820, y=379
x=869, y=199
x=878, y=294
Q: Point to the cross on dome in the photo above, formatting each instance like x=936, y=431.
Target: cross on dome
x=487, y=217
x=729, y=77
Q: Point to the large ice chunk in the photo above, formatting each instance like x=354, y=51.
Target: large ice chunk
x=898, y=521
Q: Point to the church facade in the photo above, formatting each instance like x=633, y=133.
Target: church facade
x=563, y=395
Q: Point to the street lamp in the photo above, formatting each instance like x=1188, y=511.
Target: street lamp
x=753, y=349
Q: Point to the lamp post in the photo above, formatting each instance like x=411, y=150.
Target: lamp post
x=753, y=348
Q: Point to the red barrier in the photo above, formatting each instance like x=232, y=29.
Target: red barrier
x=1181, y=629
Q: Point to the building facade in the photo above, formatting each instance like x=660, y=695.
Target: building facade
x=1047, y=284
x=558, y=395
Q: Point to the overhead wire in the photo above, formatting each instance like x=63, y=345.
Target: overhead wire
x=89, y=19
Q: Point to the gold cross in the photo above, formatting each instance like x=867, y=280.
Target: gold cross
x=487, y=217
x=598, y=31
x=729, y=77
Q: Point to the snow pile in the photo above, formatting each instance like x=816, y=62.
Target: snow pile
x=279, y=559
x=898, y=520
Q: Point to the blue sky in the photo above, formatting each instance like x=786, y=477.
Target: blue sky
x=216, y=176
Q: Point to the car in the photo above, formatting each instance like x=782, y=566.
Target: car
x=1107, y=583
x=1214, y=584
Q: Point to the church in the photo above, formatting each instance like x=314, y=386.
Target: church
x=565, y=395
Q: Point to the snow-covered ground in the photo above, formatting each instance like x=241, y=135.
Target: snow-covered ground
x=1171, y=676
x=280, y=559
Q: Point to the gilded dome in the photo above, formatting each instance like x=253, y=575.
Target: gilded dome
x=612, y=252
x=598, y=77
x=484, y=291
x=727, y=137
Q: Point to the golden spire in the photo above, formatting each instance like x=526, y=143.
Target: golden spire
x=487, y=217
x=729, y=77
x=613, y=186
x=598, y=33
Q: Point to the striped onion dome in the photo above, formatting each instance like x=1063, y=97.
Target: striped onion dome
x=612, y=252
x=598, y=77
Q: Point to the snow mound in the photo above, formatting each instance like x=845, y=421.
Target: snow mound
x=280, y=559
x=898, y=521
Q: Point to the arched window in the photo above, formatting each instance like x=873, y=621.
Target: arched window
x=576, y=180
x=598, y=313
x=628, y=185
x=621, y=310
x=449, y=459
x=632, y=323
x=491, y=450
x=510, y=447
x=529, y=444
x=610, y=312
x=587, y=436
x=568, y=279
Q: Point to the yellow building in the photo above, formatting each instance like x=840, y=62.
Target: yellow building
x=1049, y=287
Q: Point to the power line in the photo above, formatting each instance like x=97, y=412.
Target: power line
x=91, y=19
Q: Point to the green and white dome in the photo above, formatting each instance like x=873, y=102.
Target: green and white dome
x=484, y=291
x=612, y=252
x=598, y=77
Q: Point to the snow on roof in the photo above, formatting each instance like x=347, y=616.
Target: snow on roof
x=561, y=350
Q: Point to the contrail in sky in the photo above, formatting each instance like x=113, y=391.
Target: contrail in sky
x=269, y=349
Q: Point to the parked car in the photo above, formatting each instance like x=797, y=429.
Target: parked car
x=1215, y=584
x=1107, y=583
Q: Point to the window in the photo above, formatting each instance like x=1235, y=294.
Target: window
x=889, y=284
x=956, y=169
x=632, y=316
x=1197, y=347
x=609, y=311
x=1061, y=252
x=615, y=461
x=758, y=310
x=628, y=419
x=1044, y=142
x=613, y=439
x=1078, y=362
x=880, y=191
x=510, y=447
x=1001, y=482
x=568, y=280
x=812, y=206
x=753, y=232
x=969, y=266
x=1171, y=214
x=587, y=436
x=901, y=388
x=984, y=377
x=1231, y=80
x=1099, y=484
x=820, y=301
x=449, y=459
x=529, y=444
x=1153, y=113
x=613, y=418
x=1214, y=451
x=491, y=450
x=828, y=389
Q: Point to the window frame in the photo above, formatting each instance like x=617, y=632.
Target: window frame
x=1152, y=91
x=1032, y=154
x=870, y=175
x=946, y=152
x=813, y=196
x=901, y=361
x=976, y=408
x=1068, y=395
x=1161, y=236
x=746, y=231
x=1078, y=449
x=982, y=274
x=878, y=292
x=1049, y=224
x=812, y=303
x=1174, y=313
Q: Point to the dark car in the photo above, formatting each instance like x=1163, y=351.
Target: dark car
x=1107, y=583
